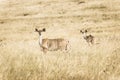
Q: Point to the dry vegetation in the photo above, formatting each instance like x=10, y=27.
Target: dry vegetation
x=20, y=54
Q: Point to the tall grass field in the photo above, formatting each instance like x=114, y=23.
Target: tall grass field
x=21, y=57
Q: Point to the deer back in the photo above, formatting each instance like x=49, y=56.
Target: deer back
x=54, y=44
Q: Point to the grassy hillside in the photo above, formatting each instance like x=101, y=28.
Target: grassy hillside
x=20, y=54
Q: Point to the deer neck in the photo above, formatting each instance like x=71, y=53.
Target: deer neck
x=40, y=39
x=84, y=35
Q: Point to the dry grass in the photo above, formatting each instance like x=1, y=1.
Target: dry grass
x=20, y=54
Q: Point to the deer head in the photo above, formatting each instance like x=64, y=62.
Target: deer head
x=40, y=31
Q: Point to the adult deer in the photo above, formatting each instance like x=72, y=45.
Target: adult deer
x=51, y=44
x=88, y=37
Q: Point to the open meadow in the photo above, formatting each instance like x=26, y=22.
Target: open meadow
x=22, y=59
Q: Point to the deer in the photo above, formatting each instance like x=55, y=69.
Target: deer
x=88, y=37
x=51, y=44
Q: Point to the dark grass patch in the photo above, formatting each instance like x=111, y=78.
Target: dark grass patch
x=96, y=7
x=39, y=2
x=81, y=2
x=2, y=22
x=1, y=40
x=26, y=14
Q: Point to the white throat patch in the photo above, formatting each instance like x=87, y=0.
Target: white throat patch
x=40, y=39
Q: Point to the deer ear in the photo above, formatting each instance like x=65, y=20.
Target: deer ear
x=81, y=31
x=36, y=29
x=44, y=29
x=86, y=30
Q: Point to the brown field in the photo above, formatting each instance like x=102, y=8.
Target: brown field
x=20, y=54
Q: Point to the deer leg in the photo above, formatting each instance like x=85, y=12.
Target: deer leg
x=44, y=50
x=89, y=43
x=92, y=41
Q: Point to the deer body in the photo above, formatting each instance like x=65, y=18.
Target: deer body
x=55, y=44
x=88, y=37
x=52, y=44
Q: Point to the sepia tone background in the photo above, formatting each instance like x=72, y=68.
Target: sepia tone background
x=20, y=54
